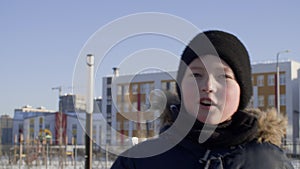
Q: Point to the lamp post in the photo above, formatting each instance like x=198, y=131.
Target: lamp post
x=89, y=112
x=48, y=138
x=278, y=80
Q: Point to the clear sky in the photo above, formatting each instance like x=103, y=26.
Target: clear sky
x=41, y=40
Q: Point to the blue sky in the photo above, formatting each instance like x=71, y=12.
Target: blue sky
x=41, y=40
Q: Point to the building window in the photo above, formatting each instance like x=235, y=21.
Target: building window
x=143, y=106
x=94, y=132
x=108, y=108
x=120, y=89
x=134, y=106
x=144, y=88
x=108, y=115
x=282, y=79
x=260, y=80
x=120, y=107
x=126, y=125
x=151, y=86
x=20, y=128
x=100, y=135
x=143, y=126
x=108, y=81
x=126, y=107
x=47, y=126
x=31, y=125
x=271, y=80
x=173, y=86
x=126, y=89
x=150, y=125
x=118, y=125
x=41, y=121
x=169, y=86
x=282, y=100
x=108, y=92
x=136, y=126
x=134, y=88
x=74, y=130
x=261, y=101
x=31, y=128
x=271, y=100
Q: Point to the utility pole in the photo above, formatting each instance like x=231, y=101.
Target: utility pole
x=89, y=112
x=278, y=80
x=59, y=88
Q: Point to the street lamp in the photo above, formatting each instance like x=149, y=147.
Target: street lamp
x=48, y=139
x=89, y=112
x=278, y=80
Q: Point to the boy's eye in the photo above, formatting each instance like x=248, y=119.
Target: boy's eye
x=228, y=76
x=224, y=76
x=197, y=75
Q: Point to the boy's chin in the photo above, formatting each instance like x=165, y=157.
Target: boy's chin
x=210, y=119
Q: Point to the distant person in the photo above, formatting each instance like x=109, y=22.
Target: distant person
x=214, y=89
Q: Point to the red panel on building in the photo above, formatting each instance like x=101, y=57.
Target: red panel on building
x=60, y=123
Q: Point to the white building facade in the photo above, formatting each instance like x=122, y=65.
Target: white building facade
x=33, y=123
x=126, y=96
x=125, y=102
x=265, y=95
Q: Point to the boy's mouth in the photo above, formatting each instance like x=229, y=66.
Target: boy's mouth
x=206, y=102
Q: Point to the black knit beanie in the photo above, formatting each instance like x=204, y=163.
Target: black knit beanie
x=230, y=49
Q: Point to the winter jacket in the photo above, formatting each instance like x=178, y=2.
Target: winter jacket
x=250, y=141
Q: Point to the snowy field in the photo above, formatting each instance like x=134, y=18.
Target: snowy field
x=296, y=163
x=4, y=164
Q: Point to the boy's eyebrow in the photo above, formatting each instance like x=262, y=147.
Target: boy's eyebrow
x=224, y=69
x=227, y=69
x=197, y=67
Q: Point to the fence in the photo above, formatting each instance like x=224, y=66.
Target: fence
x=52, y=158
x=45, y=156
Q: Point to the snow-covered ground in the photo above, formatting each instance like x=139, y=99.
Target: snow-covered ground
x=4, y=164
x=55, y=164
x=296, y=163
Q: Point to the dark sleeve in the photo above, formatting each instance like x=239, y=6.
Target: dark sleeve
x=266, y=155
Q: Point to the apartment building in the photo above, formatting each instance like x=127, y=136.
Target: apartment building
x=63, y=126
x=126, y=99
x=264, y=78
x=27, y=112
x=6, y=125
x=126, y=104
x=72, y=103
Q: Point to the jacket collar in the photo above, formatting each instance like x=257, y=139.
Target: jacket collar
x=240, y=129
x=247, y=125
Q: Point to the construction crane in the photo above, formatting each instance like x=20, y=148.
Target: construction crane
x=59, y=88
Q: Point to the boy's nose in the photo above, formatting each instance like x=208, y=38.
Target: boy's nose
x=207, y=85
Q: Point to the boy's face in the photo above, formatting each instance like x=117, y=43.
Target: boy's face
x=210, y=90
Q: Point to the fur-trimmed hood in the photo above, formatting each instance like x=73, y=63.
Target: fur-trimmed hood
x=271, y=125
